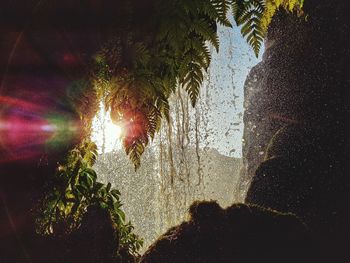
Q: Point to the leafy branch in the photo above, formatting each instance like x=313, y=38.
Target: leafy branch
x=75, y=189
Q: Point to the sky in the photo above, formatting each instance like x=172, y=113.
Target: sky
x=223, y=92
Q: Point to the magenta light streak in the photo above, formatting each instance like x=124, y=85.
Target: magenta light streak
x=25, y=129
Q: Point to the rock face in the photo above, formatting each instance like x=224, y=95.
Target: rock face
x=301, y=85
x=276, y=90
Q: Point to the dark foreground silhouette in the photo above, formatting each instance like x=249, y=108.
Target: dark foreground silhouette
x=95, y=241
x=239, y=233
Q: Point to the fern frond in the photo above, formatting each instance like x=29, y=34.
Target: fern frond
x=238, y=7
x=134, y=149
x=153, y=125
x=248, y=14
x=203, y=52
x=163, y=106
x=202, y=28
x=222, y=7
x=193, y=81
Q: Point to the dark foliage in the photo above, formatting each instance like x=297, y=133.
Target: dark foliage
x=96, y=240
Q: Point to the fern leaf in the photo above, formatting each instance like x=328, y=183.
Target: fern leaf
x=238, y=8
x=134, y=149
x=202, y=28
x=163, y=106
x=248, y=14
x=192, y=81
x=222, y=7
x=153, y=119
x=203, y=50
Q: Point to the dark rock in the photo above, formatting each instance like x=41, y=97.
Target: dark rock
x=239, y=233
x=299, y=89
x=296, y=122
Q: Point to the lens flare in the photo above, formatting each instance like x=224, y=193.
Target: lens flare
x=28, y=130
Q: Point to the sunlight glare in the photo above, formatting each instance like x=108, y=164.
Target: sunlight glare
x=106, y=134
x=112, y=130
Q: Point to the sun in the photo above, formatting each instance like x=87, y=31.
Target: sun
x=106, y=134
x=112, y=130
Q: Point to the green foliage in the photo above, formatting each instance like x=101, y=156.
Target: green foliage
x=135, y=73
x=255, y=16
x=271, y=7
x=248, y=14
x=143, y=71
x=140, y=67
x=75, y=188
x=83, y=100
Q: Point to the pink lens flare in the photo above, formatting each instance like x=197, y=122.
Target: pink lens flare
x=28, y=129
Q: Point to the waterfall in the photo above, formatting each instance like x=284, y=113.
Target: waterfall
x=196, y=156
